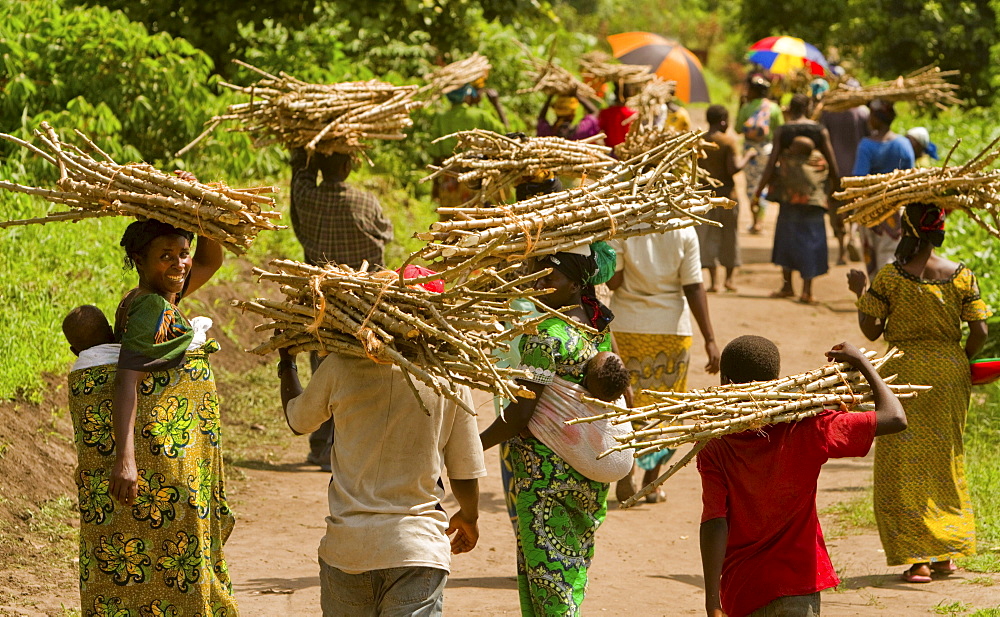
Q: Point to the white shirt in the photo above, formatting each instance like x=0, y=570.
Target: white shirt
x=97, y=355
x=387, y=458
x=657, y=267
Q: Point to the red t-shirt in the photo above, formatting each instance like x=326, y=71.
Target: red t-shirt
x=610, y=120
x=764, y=484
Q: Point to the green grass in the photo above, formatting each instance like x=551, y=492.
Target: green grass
x=255, y=432
x=982, y=440
x=853, y=515
x=50, y=525
x=951, y=608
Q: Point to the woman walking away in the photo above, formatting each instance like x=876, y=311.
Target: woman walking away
x=658, y=287
x=918, y=303
x=804, y=172
x=558, y=508
x=152, y=495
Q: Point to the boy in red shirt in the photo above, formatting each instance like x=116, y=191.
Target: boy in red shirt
x=762, y=547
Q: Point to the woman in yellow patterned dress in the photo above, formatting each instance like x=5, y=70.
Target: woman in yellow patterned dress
x=918, y=304
x=153, y=506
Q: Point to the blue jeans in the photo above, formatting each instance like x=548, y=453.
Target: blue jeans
x=393, y=592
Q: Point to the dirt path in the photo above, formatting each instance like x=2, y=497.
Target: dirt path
x=647, y=560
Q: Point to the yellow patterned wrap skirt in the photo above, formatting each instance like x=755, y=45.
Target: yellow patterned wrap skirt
x=654, y=362
x=162, y=556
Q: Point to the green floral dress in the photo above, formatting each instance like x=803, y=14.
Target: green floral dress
x=161, y=557
x=558, y=510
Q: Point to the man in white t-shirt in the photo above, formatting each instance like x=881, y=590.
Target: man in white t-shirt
x=386, y=550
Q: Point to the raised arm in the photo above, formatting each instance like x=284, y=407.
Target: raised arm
x=889, y=415
x=206, y=262
x=872, y=327
x=124, y=481
x=542, y=115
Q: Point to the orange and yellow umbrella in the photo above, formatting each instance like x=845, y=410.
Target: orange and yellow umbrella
x=668, y=59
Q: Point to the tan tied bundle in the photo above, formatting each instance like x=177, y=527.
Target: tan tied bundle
x=494, y=162
x=98, y=187
x=442, y=339
x=325, y=118
x=679, y=418
x=971, y=187
x=455, y=75
x=654, y=192
x=552, y=79
x=926, y=87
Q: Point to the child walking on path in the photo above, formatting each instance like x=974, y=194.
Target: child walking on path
x=762, y=548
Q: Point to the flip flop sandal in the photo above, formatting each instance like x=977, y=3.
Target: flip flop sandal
x=910, y=577
x=808, y=300
x=781, y=293
x=944, y=567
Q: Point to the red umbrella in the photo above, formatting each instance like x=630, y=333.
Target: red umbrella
x=668, y=59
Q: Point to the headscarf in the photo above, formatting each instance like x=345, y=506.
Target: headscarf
x=588, y=265
x=458, y=95
x=921, y=223
x=819, y=87
x=565, y=105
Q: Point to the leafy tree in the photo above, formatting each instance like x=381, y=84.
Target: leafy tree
x=894, y=37
x=151, y=85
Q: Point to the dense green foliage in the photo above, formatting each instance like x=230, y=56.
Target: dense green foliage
x=892, y=38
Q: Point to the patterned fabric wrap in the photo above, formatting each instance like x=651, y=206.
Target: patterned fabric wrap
x=922, y=502
x=558, y=513
x=556, y=510
x=579, y=444
x=656, y=362
x=560, y=348
x=163, y=555
x=155, y=335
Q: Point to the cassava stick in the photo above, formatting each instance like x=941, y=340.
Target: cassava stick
x=101, y=187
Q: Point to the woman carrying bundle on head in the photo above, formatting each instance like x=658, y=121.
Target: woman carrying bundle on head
x=565, y=107
x=800, y=175
x=152, y=498
x=918, y=304
x=558, y=508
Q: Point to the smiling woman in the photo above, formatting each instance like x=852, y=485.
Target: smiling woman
x=153, y=504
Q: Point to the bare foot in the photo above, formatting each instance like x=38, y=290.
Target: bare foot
x=807, y=299
x=783, y=293
x=624, y=489
x=730, y=288
x=711, y=290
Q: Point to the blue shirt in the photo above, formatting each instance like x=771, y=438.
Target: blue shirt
x=881, y=157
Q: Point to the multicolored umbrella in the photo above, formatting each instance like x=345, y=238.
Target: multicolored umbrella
x=784, y=54
x=668, y=59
